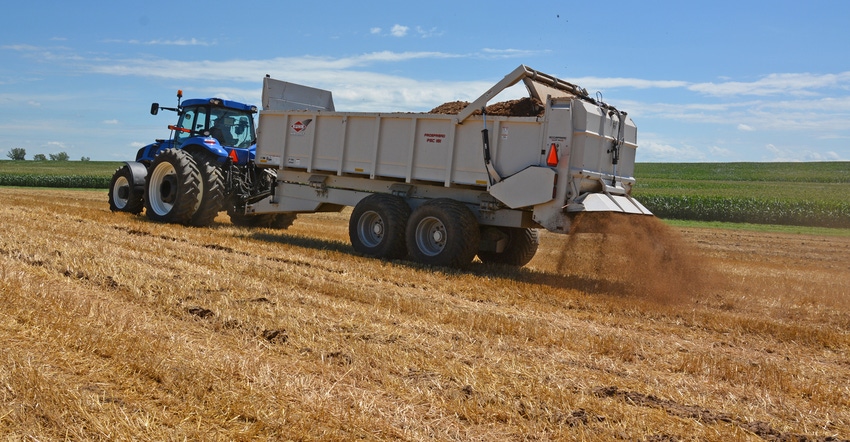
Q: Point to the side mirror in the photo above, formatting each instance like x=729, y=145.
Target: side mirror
x=154, y=108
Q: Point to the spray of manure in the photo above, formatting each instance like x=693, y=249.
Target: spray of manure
x=634, y=255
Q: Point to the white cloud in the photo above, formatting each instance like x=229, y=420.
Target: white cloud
x=600, y=83
x=21, y=48
x=180, y=42
x=402, y=31
x=720, y=153
x=804, y=84
x=314, y=69
x=427, y=33
x=399, y=30
x=745, y=128
x=777, y=154
x=113, y=121
x=655, y=150
x=158, y=42
x=509, y=53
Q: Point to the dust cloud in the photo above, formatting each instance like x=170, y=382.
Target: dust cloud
x=635, y=255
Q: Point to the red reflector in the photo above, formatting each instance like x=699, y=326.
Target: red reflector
x=209, y=141
x=552, y=158
x=233, y=156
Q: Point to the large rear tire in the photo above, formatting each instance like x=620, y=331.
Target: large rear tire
x=520, y=247
x=442, y=232
x=211, y=191
x=377, y=226
x=172, y=192
x=124, y=196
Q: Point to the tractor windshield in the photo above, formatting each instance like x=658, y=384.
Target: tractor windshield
x=231, y=127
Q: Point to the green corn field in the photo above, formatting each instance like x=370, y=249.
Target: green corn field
x=799, y=194
x=64, y=181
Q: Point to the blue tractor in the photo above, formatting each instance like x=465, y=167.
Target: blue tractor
x=205, y=167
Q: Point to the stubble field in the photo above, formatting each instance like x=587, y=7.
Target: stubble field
x=116, y=328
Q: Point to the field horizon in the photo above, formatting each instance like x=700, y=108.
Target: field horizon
x=800, y=194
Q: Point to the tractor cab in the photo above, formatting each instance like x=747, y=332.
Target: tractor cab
x=224, y=128
x=228, y=122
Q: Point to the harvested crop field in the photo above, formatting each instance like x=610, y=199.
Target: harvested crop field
x=117, y=328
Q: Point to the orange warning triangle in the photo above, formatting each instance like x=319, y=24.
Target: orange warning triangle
x=552, y=158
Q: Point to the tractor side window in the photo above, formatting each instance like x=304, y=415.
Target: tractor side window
x=187, y=120
x=192, y=124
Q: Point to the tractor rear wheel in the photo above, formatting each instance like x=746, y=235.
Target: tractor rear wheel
x=211, y=191
x=520, y=247
x=442, y=232
x=377, y=226
x=123, y=195
x=172, y=192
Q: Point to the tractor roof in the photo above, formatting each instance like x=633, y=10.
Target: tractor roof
x=220, y=103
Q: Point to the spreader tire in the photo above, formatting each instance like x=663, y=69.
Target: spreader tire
x=377, y=226
x=520, y=248
x=442, y=232
x=124, y=195
x=172, y=192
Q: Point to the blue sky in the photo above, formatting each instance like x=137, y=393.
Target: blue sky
x=716, y=81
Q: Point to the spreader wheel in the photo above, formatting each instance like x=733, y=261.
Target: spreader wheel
x=520, y=246
x=377, y=226
x=442, y=232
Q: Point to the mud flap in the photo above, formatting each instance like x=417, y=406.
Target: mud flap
x=530, y=187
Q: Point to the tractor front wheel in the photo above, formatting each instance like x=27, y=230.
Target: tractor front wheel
x=124, y=196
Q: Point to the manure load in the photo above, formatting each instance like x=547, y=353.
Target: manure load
x=461, y=181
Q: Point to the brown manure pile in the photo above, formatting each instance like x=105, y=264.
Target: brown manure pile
x=635, y=255
x=523, y=107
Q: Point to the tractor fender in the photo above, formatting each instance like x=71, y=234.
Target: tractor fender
x=139, y=173
x=208, y=145
x=216, y=149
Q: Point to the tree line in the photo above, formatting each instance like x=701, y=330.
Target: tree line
x=19, y=154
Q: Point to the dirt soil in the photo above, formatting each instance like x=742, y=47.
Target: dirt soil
x=523, y=107
x=118, y=328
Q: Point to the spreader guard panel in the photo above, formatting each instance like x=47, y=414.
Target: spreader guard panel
x=603, y=202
